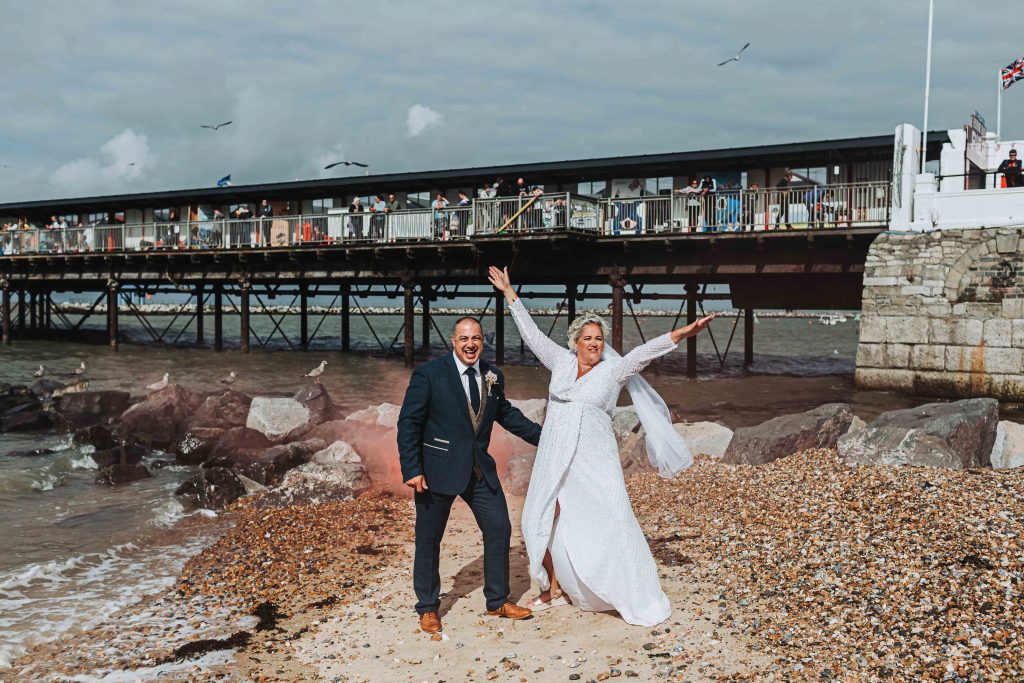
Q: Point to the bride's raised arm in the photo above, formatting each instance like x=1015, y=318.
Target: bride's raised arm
x=640, y=357
x=548, y=352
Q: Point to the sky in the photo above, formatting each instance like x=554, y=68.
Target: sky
x=108, y=97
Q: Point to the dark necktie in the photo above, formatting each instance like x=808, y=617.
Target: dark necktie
x=474, y=390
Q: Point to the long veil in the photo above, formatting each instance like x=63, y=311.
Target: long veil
x=666, y=449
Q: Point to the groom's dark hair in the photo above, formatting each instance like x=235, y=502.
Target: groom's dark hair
x=464, y=319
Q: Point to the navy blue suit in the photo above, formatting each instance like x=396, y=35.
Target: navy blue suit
x=436, y=438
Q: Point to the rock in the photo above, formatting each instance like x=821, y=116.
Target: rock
x=318, y=402
x=25, y=418
x=240, y=439
x=1008, y=451
x=119, y=473
x=633, y=454
x=213, y=488
x=957, y=435
x=338, y=453
x=224, y=410
x=383, y=415
x=160, y=418
x=15, y=395
x=74, y=388
x=276, y=416
x=123, y=455
x=95, y=435
x=708, y=438
x=788, y=434
x=44, y=386
x=85, y=408
x=520, y=468
x=625, y=422
x=317, y=483
x=268, y=466
x=856, y=425
x=198, y=445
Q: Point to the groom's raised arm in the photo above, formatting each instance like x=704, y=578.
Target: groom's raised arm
x=410, y=425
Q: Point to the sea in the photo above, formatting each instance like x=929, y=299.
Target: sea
x=72, y=552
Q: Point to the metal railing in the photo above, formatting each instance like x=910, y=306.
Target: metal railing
x=819, y=207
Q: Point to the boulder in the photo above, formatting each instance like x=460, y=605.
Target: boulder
x=625, y=422
x=223, y=410
x=856, y=425
x=317, y=483
x=276, y=417
x=957, y=435
x=122, y=455
x=239, y=439
x=25, y=418
x=520, y=469
x=788, y=434
x=338, y=453
x=95, y=435
x=1008, y=451
x=75, y=388
x=707, y=438
x=15, y=395
x=198, y=445
x=317, y=401
x=160, y=418
x=84, y=408
x=44, y=386
x=268, y=466
x=633, y=454
x=384, y=415
x=213, y=488
x=120, y=473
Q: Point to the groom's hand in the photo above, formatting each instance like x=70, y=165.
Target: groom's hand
x=417, y=483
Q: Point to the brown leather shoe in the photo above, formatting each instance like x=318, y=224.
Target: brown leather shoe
x=430, y=622
x=510, y=610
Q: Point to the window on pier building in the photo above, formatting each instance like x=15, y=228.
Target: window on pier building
x=322, y=206
x=418, y=200
x=593, y=188
x=662, y=185
x=162, y=215
x=97, y=218
x=818, y=174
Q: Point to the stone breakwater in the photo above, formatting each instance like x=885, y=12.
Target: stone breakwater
x=943, y=314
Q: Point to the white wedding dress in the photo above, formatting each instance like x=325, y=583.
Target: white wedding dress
x=601, y=558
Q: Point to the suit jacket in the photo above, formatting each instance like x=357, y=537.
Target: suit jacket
x=436, y=434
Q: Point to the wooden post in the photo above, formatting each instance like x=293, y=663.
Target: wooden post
x=748, y=337
x=499, y=329
x=112, y=314
x=410, y=332
x=200, y=331
x=617, y=282
x=32, y=311
x=570, y=298
x=425, y=293
x=6, y=313
x=22, y=305
x=48, y=310
x=244, y=322
x=345, y=291
x=303, y=320
x=218, y=317
x=691, y=342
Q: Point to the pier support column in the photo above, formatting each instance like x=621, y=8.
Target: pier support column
x=200, y=327
x=244, y=322
x=32, y=308
x=48, y=311
x=425, y=293
x=345, y=292
x=570, y=299
x=691, y=342
x=6, y=312
x=499, y=329
x=303, y=315
x=748, y=337
x=218, y=317
x=22, y=306
x=617, y=282
x=410, y=320
x=112, y=314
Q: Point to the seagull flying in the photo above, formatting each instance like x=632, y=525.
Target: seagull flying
x=162, y=384
x=80, y=370
x=737, y=57
x=203, y=125
x=230, y=379
x=40, y=372
x=317, y=371
x=347, y=163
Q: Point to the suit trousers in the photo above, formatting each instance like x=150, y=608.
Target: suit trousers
x=491, y=512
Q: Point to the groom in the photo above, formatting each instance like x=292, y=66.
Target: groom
x=444, y=429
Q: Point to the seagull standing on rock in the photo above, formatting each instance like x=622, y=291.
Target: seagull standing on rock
x=317, y=371
x=162, y=384
x=230, y=379
x=80, y=370
x=40, y=372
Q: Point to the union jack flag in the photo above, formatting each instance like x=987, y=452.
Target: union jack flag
x=1013, y=73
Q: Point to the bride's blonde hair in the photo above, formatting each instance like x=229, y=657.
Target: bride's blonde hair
x=581, y=321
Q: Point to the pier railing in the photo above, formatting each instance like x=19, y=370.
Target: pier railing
x=809, y=207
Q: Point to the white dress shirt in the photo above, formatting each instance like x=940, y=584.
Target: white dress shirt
x=465, y=380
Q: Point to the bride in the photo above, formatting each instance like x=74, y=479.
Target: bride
x=584, y=543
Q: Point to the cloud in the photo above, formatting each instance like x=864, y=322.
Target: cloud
x=121, y=160
x=420, y=118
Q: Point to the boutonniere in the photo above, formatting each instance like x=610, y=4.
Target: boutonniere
x=490, y=378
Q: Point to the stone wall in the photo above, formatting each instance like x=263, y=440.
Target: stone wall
x=943, y=314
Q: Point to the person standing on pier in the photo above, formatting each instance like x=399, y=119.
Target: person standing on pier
x=1011, y=170
x=266, y=214
x=783, y=188
x=355, y=218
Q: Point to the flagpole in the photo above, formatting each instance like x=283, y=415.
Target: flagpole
x=999, y=104
x=927, y=84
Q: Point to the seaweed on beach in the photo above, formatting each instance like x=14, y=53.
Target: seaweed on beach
x=268, y=615
x=198, y=648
